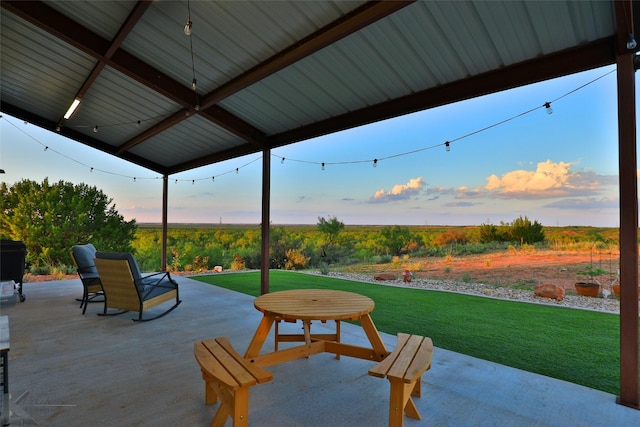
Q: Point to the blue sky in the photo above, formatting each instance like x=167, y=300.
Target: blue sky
x=559, y=169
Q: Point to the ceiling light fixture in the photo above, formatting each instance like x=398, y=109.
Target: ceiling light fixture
x=72, y=108
x=187, y=28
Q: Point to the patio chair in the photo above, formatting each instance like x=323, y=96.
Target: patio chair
x=125, y=288
x=83, y=256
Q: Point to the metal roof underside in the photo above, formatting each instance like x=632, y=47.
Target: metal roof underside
x=274, y=73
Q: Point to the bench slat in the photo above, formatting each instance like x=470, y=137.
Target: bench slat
x=421, y=361
x=218, y=359
x=258, y=374
x=405, y=357
x=381, y=369
x=211, y=366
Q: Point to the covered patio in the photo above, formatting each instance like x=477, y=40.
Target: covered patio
x=67, y=369
x=120, y=76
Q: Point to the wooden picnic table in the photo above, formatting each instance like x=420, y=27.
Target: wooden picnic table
x=310, y=305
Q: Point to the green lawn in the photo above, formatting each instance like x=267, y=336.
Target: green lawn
x=573, y=345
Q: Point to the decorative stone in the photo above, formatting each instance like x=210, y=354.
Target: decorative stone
x=384, y=276
x=550, y=291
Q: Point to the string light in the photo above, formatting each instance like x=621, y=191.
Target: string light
x=547, y=105
x=187, y=28
x=631, y=42
x=213, y=178
x=91, y=170
x=282, y=161
x=138, y=125
x=447, y=146
x=95, y=129
x=134, y=179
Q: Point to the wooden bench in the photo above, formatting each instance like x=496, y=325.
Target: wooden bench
x=227, y=375
x=404, y=367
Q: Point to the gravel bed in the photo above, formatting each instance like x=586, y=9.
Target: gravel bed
x=610, y=304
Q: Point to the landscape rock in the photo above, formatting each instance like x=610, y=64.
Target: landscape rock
x=549, y=291
x=384, y=276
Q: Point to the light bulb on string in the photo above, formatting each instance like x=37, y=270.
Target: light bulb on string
x=322, y=165
x=631, y=42
x=187, y=27
x=213, y=178
x=95, y=129
x=237, y=171
x=46, y=148
x=193, y=182
x=547, y=105
x=447, y=146
x=375, y=163
x=194, y=84
x=282, y=161
x=138, y=125
x=134, y=179
x=91, y=170
x=176, y=181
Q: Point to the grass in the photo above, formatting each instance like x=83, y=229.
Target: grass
x=578, y=346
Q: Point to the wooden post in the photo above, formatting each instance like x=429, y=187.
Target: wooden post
x=165, y=202
x=629, y=361
x=266, y=221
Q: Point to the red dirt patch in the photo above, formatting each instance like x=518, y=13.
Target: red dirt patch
x=506, y=269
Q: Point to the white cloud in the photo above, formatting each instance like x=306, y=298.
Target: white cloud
x=400, y=191
x=549, y=180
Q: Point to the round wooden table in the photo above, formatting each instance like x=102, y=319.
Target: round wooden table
x=310, y=305
x=315, y=304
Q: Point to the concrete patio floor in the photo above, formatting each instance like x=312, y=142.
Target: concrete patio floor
x=73, y=370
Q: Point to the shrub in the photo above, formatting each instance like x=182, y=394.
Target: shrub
x=295, y=260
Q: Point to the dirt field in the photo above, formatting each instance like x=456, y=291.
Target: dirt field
x=506, y=269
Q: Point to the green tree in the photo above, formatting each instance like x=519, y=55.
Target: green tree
x=330, y=230
x=50, y=218
x=395, y=239
x=524, y=231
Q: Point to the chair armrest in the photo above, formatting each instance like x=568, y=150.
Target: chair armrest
x=146, y=287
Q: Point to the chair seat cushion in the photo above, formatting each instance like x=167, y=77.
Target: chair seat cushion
x=153, y=288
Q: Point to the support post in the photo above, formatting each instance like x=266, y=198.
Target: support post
x=629, y=356
x=165, y=202
x=266, y=221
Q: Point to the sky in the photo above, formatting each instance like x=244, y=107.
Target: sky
x=508, y=158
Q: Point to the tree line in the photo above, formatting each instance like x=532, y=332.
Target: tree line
x=50, y=218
